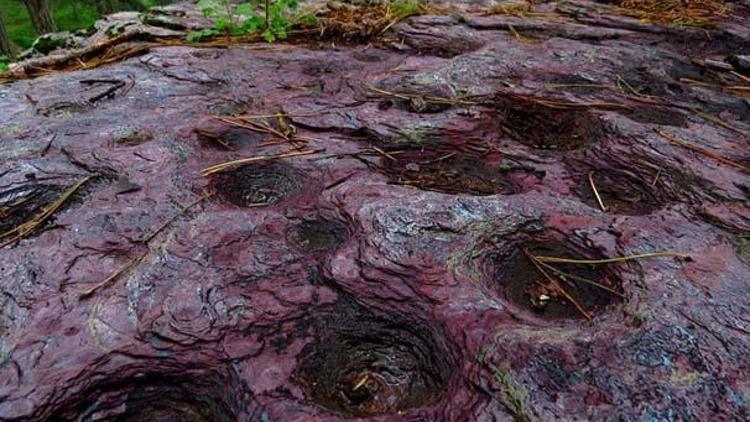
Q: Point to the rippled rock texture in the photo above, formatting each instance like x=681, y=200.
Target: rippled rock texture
x=380, y=268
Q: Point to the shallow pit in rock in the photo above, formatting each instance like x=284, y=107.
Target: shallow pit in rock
x=363, y=365
x=258, y=185
x=658, y=116
x=153, y=398
x=549, y=128
x=317, y=235
x=622, y=193
x=526, y=283
x=640, y=81
x=453, y=173
x=226, y=138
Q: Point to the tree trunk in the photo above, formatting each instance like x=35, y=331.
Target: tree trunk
x=5, y=46
x=41, y=16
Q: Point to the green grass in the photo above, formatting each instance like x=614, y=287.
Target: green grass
x=70, y=15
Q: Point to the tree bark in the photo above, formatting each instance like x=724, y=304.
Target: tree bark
x=5, y=45
x=41, y=16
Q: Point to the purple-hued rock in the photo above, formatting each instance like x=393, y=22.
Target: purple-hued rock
x=386, y=275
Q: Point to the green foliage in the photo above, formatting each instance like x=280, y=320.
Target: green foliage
x=514, y=395
x=70, y=15
x=271, y=18
x=405, y=8
x=4, y=61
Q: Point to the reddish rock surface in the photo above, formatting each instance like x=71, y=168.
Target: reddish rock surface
x=383, y=276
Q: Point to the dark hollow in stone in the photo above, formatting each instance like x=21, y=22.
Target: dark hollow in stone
x=226, y=138
x=317, y=235
x=518, y=280
x=622, y=193
x=642, y=82
x=555, y=129
x=416, y=104
x=153, y=398
x=442, y=172
x=362, y=365
x=258, y=184
x=20, y=204
x=658, y=116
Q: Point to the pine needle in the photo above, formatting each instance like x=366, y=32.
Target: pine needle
x=702, y=151
x=581, y=279
x=552, y=259
x=29, y=227
x=231, y=164
x=534, y=260
x=596, y=192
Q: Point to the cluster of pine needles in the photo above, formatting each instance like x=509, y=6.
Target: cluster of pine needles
x=369, y=20
x=701, y=13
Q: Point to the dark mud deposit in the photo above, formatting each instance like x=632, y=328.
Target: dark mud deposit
x=387, y=274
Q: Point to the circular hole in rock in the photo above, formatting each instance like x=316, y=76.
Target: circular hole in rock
x=521, y=281
x=153, y=398
x=550, y=128
x=622, y=193
x=452, y=173
x=258, y=184
x=364, y=366
x=317, y=235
